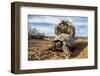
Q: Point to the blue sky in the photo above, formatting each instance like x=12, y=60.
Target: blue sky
x=46, y=24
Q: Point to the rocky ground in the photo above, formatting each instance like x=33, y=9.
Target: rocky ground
x=38, y=50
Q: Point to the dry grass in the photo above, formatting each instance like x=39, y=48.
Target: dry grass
x=38, y=50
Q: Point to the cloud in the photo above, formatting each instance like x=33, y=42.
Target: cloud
x=45, y=19
x=46, y=24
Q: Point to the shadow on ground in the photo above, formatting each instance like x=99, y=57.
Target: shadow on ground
x=80, y=49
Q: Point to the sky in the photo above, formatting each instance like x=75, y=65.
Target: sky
x=46, y=24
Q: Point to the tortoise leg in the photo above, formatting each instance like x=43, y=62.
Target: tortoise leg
x=52, y=46
x=66, y=52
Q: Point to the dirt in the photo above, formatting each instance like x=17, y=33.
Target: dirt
x=38, y=50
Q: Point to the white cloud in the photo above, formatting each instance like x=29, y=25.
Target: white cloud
x=48, y=19
x=45, y=19
x=49, y=30
x=79, y=23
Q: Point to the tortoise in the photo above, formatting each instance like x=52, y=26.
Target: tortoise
x=63, y=42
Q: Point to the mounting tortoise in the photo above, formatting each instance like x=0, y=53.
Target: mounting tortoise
x=64, y=39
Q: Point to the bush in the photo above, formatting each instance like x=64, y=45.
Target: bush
x=33, y=33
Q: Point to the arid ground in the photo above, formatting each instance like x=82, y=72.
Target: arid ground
x=37, y=50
